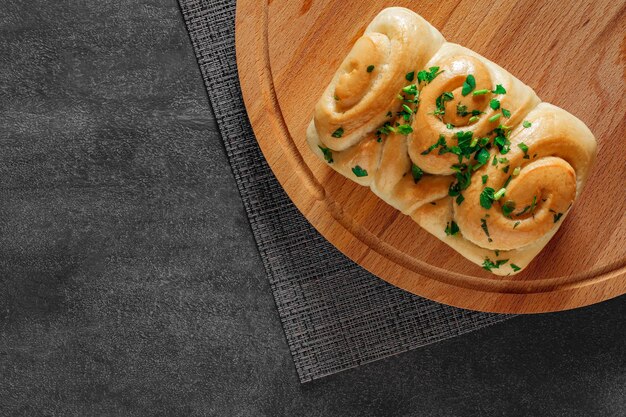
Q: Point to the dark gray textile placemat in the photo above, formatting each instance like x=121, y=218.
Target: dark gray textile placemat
x=335, y=314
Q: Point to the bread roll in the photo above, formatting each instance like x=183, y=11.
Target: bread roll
x=452, y=140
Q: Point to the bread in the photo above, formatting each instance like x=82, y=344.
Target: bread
x=452, y=140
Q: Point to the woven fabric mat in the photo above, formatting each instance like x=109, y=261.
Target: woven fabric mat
x=335, y=314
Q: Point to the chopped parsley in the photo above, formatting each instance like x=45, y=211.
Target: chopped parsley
x=487, y=197
x=557, y=217
x=338, y=133
x=469, y=85
x=460, y=199
x=482, y=156
x=488, y=264
x=494, y=103
x=440, y=142
x=328, y=154
x=463, y=180
x=515, y=268
x=483, y=225
x=461, y=110
x=386, y=129
x=499, y=90
x=506, y=169
x=485, y=178
x=404, y=129
x=452, y=228
x=450, y=126
x=359, y=172
x=508, y=207
x=440, y=103
x=410, y=76
x=370, y=68
x=502, y=138
x=417, y=173
x=389, y=114
x=428, y=76
x=533, y=205
x=506, y=113
x=523, y=147
x=527, y=124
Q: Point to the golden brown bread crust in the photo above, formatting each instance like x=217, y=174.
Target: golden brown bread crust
x=396, y=42
x=534, y=180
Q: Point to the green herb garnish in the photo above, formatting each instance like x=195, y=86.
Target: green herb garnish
x=370, y=68
x=386, y=129
x=469, y=85
x=494, y=103
x=410, y=89
x=482, y=156
x=440, y=103
x=515, y=268
x=557, y=217
x=417, y=173
x=494, y=117
x=410, y=76
x=452, y=228
x=328, y=154
x=404, y=129
x=508, y=207
x=499, y=194
x=461, y=110
x=338, y=133
x=480, y=92
x=359, y=172
x=460, y=199
x=483, y=225
x=506, y=113
x=527, y=124
x=485, y=178
x=489, y=265
x=499, y=90
x=428, y=76
x=487, y=197
x=440, y=142
x=523, y=147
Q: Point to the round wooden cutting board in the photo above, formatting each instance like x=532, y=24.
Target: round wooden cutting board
x=572, y=55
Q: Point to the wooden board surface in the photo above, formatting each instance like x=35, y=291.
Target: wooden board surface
x=573, y=56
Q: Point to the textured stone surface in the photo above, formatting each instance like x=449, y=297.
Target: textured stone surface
x=129, y=280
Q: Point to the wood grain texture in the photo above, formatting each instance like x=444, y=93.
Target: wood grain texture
x=573, y=56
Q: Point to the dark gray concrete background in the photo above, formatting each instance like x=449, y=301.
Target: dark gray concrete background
x=129, y=280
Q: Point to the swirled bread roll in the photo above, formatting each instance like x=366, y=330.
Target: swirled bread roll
x=364, y=88
x=462, y=146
